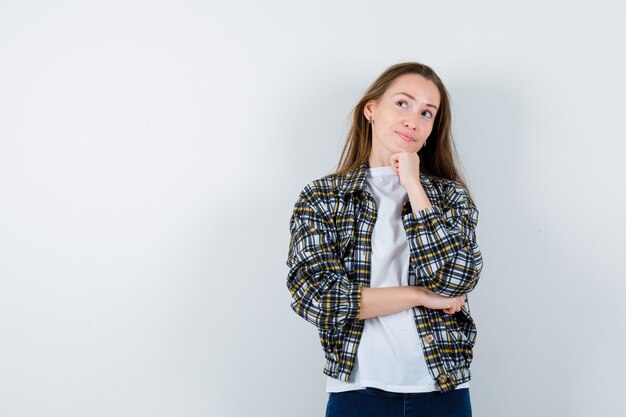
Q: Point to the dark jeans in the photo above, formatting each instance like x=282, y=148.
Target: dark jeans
x=374, y=402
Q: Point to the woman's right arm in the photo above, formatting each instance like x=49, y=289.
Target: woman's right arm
x=321, y=291
x=388, y=300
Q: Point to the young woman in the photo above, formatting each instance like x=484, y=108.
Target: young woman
x=383, y=254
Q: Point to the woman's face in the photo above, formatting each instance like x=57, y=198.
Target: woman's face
x=403, y=117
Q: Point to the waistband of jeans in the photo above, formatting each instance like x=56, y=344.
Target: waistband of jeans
x=383, y=393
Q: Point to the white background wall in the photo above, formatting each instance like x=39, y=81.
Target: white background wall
x=151, y=153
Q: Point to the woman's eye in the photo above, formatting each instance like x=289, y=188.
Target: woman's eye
x=428, y=114
x=402, y=101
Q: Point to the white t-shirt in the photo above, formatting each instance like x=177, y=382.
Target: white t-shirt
x=390, y=355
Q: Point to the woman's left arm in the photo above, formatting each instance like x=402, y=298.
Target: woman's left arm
x=442, y=243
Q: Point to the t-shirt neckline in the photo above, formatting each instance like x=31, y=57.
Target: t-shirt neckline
x=380, y=171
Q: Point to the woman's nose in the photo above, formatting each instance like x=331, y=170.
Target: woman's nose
x=411, y=123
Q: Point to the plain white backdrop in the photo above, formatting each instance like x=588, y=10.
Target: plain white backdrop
x=151, y=153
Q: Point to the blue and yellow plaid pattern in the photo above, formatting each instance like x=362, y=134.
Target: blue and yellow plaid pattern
x=330, y=257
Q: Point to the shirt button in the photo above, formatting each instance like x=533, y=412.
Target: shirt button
x=428, y=339
x=442, y=378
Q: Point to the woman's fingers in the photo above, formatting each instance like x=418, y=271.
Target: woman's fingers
x=457, y=305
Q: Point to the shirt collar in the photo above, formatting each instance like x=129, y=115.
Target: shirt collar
x=355, y=180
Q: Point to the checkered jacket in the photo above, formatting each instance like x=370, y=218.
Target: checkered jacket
x=329, y=262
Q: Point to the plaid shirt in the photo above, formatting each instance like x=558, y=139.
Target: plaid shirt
x=329, y=262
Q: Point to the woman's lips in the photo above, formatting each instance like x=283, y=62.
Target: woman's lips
x=405, y=137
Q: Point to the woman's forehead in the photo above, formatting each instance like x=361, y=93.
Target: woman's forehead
x=414, y=85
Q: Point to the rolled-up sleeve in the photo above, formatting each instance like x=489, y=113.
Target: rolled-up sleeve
x=442, y=242
x=321, y=291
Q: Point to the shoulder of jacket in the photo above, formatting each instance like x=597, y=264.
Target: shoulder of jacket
x=321, y=195
x=453, y=192
x=446, y=185
x=323, y=189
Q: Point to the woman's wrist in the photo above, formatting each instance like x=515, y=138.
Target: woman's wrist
x=418, y=295
x=418, y=197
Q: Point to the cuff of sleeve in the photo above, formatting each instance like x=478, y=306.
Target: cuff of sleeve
x=427, y=215
x=353, y=304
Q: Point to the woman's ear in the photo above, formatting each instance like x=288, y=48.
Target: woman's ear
x=369, y=109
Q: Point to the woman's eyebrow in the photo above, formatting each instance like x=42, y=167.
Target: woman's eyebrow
x=413, y=98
